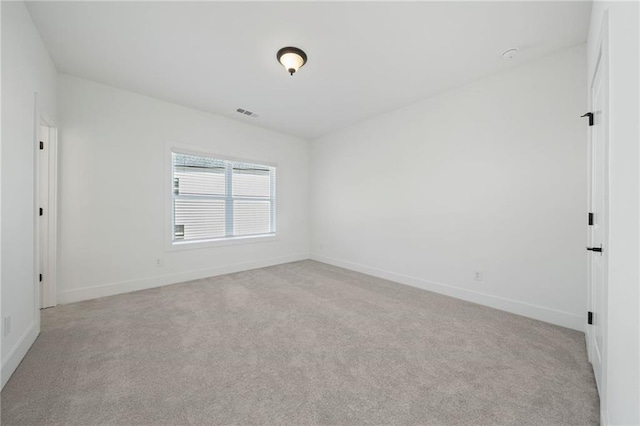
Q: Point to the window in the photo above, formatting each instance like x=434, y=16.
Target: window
x=217, y=199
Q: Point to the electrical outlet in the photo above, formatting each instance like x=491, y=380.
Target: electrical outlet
x=477, y=275
x=6, y=325
x=159, y=262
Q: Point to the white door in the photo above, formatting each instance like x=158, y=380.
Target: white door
x=598, y=230
x=46, y=230
x=43, y=207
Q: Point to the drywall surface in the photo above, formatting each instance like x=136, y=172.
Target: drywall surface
x=490, y=177
x=113, y=191
x=620, y=398
x=27, y=69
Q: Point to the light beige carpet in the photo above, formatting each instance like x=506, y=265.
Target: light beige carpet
x=301, y=343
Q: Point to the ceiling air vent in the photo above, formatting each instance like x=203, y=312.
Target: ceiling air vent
x=246, y=112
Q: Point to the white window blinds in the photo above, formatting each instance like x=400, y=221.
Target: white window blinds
x=217, y=199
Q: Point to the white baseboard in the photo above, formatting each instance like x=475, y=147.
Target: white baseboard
x=18, y=352
x=541, y=313
x=111, y=289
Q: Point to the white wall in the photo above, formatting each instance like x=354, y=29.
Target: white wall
x=113, y=190
x=490, y=177
x=26, y=69
x=620, y=401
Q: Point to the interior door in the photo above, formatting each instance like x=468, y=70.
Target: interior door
x=43, y=207
x=598, y=229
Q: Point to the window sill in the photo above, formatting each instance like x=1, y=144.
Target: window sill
x=190, y=245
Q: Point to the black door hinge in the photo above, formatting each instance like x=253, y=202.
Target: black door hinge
x=40, y=277
x=41, y=145
x=590, y=318
x=41, y=211
x=595, y=249
x=591, y=219
x=590, y=115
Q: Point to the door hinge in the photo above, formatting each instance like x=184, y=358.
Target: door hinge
x=590, y=318
x=41, y=145
x=41, y=211
x=590, y=115
x=40, y=277
x=590, y=219
x=595, y=249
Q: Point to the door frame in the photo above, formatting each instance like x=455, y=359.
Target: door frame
x=601, y=60
x=49, y=289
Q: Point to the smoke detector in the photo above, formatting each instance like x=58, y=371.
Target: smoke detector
x=510, y=53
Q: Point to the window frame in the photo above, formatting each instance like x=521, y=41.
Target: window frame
x=170, y=243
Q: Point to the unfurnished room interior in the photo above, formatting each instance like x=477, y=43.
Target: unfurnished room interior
x=320, y=213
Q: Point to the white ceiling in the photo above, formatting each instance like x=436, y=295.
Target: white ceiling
x=365, y=58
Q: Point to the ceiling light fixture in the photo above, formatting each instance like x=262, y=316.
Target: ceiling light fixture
x=291, y=58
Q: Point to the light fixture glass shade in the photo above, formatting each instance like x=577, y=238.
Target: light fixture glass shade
x=291, y=58
x=291, y=61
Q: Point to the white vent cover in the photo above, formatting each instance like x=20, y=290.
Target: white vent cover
x=247, y=112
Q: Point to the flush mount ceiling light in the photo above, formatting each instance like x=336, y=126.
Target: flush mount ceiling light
x=291, y=58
